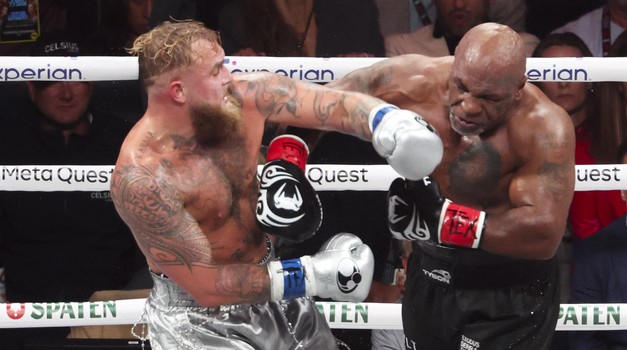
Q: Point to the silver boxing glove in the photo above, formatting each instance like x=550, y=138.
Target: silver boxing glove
x=410, y=145
x=341, y=270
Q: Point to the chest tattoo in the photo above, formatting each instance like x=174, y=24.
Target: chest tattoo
x=475, y=171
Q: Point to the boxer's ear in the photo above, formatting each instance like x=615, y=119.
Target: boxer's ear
x=176, y=91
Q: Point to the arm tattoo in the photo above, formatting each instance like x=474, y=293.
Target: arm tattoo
x=555, y=168
x=274, y=95
x=249, y=282
x=154, y=211
x=382, y=78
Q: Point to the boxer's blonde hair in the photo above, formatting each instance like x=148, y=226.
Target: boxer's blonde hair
x=169, y=46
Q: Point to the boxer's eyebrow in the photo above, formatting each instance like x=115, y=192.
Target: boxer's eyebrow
x=216, y=67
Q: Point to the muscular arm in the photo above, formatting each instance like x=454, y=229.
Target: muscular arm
x=305, y=105
x=540, y=194
x=174, y=244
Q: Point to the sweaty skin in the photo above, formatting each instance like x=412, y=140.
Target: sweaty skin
x=508, y=150
x=191, y=206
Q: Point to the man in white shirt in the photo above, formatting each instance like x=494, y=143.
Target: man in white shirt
x=600, y=27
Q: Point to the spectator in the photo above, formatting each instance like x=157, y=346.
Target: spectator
x=402, y=16
x=454, y=19
x=613, y=101
x=600, y=27
x=313, y=28
x=597, y=133
x=544, y=16
x=600, y=276
x=122, y=21
x=62, y=246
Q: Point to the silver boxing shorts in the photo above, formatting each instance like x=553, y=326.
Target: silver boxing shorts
x=176, y=321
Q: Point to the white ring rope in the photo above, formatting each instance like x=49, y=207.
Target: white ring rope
x=313, y=69
x=339, y=315
x=324, y=177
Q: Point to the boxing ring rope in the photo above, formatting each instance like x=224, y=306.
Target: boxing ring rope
x=324, y=177
x=339, y=315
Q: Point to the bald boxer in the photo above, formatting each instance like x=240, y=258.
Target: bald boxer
x=185, y=182
x=486, y=224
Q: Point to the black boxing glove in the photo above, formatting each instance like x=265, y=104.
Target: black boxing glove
x=287, y=205
x=418, y=211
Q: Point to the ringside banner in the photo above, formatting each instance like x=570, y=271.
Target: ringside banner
x=82, y=68
x=312, y=69
x=339, y=315
x=321, y=70
x=323, y=177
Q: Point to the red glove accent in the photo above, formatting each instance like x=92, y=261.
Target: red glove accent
x=460, y=225
x=290, y=148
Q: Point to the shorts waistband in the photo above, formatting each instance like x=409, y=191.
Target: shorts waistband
x=165, y=292
x=169, y=293
x=488, y=276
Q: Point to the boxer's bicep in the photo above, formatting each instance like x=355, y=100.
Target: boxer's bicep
x=153, y=209
x=539, y=193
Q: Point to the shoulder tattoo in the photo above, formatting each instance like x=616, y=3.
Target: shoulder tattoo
x=153, y=208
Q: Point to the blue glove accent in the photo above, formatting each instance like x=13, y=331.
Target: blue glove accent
x=379, y=115
x=293, y=279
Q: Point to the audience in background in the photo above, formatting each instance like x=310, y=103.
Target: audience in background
x=403, y=16
x=320, y=28
x=613, y=105
x=544, y=16
x=62, y=246
x=122, y=21
x=600, y=27
x=598, y=134
x=600, y=276
x=454, y=19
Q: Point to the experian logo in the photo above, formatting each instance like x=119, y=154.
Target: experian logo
x=48, y=73
x=557, y=74
x=298, y=73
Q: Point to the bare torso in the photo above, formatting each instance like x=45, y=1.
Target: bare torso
x=217, y=187
x=475, y=170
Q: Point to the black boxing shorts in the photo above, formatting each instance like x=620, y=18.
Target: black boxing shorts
x=449, y=305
